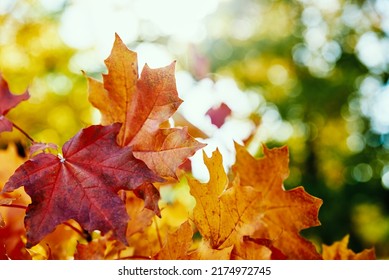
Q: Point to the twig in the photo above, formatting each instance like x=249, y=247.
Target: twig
x=23, y=132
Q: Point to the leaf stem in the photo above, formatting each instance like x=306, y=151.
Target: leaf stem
x=135, y=257
x=23, y=132
x=14, y=206
x=84, y=234
x=158, y=233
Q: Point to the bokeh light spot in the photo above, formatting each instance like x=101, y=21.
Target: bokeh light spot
x=362, y=172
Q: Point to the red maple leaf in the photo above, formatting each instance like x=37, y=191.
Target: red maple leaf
x=81, y=185
x=219, y=114
x=7, y=102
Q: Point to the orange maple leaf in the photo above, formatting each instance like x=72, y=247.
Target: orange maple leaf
x=283, y=214
x=102, y=248
x=140, y=217
x=94, y=250
x=12, y=227
x=339, y=251
x=249, y=250
x=177, y=244
x=143, y=105
x=4, y=201
x=204, y=252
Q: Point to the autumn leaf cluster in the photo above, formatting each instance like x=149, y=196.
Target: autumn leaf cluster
x=99, y=196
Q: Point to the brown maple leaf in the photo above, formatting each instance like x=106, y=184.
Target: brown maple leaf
x=339, y=251
x=81, y=185
x=283, y=213
x=7, y=102
x=224, y=212
x=143, y=104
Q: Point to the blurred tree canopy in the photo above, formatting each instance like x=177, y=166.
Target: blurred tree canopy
x=320, y=66
x=33, y=55
x=324, y=65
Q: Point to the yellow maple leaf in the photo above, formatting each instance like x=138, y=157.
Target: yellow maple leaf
x=339, y=251
x=223, y=212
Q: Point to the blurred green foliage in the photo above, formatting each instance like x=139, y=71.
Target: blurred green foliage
x=304, y=57
x=33, y=56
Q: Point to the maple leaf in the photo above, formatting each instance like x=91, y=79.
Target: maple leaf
x=143, y=105
x=81, y=185
x=219, y=114
x=204, y=252
x=94, y=250
x=4, y=201
x=11, y=234
x=61, y=243
x=165, y=150
x=177, y=244
x=13, y=160
x=249, y=250
x=141, y=216
x=7, y=102
x=37, y=147
x=150, y=195
x=256, y=249
x=3, y=252
x=223, y=212
x=339, y=251
x=2, y=223
x=283, y=213
x=101, y=248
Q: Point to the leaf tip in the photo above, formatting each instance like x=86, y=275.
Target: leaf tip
x=117, y=38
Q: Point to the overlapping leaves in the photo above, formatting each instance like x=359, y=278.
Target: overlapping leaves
x=83, y=183
x=339, y=251
x=242, y=214
x=254, y=210
x=80, y=186
x=143, y=105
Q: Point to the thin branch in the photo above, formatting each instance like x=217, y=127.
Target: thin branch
x=23, y=132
